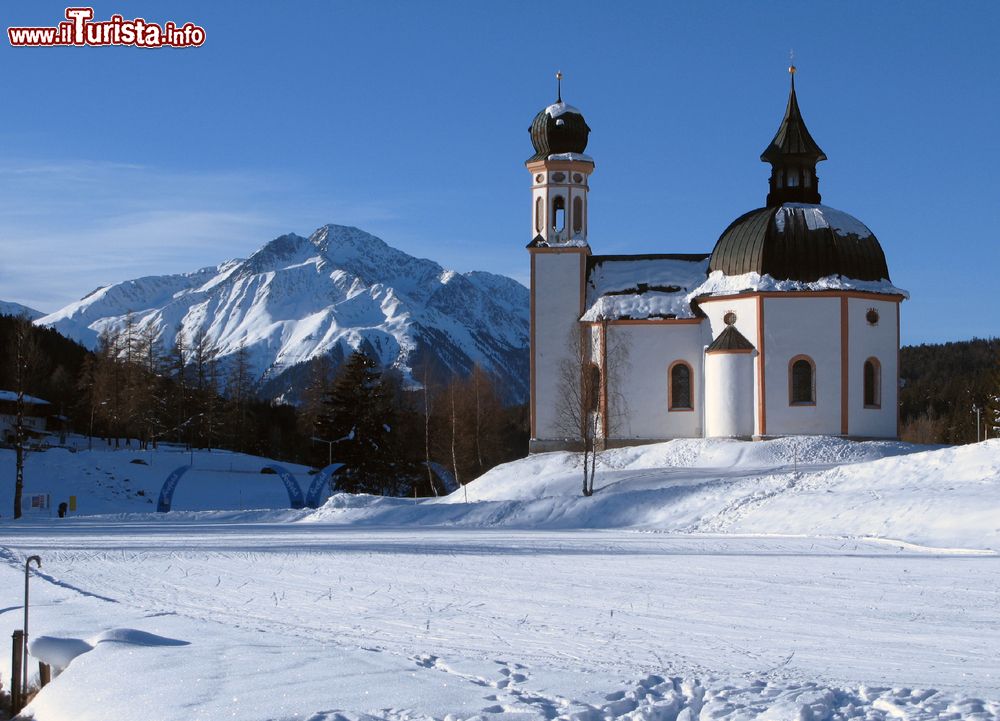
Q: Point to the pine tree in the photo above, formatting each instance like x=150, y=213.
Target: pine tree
x=358, y=417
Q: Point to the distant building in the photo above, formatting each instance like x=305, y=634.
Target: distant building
x=790, y=326
x=36, y=412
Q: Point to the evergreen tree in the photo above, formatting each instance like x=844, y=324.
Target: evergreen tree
x=358, y=417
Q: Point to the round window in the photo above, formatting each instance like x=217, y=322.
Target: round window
x=872, y=316
x=577, y=178
x=729, y=318
x=539, y=178
x=558, y=177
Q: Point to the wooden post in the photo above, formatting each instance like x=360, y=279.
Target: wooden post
x=16, y=692
x=44, y=674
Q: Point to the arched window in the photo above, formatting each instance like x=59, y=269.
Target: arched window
x=873, y=383
x=592, y=388
x=577, y=214
x=559, y=214
x=801, y=381
x=539, y=214
x=680, y=392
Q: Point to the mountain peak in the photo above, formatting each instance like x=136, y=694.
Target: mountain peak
x=341, y=288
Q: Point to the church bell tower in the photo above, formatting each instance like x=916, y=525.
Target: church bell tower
x=560, y=175
x=560, y=181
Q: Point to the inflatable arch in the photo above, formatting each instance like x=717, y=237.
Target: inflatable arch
x=318, y=490
x=291, y=485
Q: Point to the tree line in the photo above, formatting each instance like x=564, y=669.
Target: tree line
x=943, y=385
x=133, y=392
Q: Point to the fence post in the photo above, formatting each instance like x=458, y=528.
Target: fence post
x=16, y=692
x=44, y=675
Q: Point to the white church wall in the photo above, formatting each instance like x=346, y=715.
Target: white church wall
x=640, y=386
x=729, y=394
x=557, y=306
x=746, y=323
x=793, y=326
x=873, y=341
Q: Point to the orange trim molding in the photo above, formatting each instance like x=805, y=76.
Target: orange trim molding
x=877, y=378
x=844, y=367
x=534, y=349
x=670, y=387
x=812, y=365
x=605, y=379
x=761, y=388
x=569, y=249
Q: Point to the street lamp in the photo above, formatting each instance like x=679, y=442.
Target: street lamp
x=329, y=448
x=90, y=434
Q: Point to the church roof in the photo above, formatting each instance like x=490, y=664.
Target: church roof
x=730, y=339
x=802, y=242
x=638, y=287
x=795, y=238
x=559, y=130
x=792, y=139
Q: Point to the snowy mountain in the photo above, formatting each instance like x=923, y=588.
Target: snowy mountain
x=10, y=308
x=299, y=298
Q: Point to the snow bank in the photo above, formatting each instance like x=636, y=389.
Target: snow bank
x=815, y=486
x=60, y=652
x=718, y=283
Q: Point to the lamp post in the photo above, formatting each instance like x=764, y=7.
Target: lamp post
x=90, y=434
x=329, y=448
x=24, y=651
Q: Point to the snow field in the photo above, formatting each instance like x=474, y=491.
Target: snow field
x=809, y=579
x=310, y=621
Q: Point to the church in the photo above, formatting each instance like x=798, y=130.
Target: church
x=790, y=326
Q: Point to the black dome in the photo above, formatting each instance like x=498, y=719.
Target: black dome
x=797, y=241
x=559, y=128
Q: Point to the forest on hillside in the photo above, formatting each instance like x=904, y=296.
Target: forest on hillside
x=943, y=385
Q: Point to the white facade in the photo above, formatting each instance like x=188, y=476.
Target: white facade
x=676, y=351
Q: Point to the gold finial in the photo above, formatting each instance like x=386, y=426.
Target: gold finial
x=791, y=69
x=558, y=86
x=791, y=62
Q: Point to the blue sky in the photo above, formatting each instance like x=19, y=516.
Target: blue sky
x=409, y=119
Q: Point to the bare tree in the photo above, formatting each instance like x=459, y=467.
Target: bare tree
x=426, y=382
x=25, y=357
x=588, y=410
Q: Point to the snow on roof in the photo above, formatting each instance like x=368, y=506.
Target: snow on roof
x=571, y=156
x=718, y=283
x=823, y=216
x=639, y=287
x=646, y=287
x=557, y=109
x=11, y=397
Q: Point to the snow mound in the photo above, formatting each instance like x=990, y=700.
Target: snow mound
x=60, y=652
x=939, y=497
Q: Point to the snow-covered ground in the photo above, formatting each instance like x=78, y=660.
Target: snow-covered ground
x=808, y=579
x=122, y=481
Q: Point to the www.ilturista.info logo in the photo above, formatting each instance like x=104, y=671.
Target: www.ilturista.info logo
x=80, y=29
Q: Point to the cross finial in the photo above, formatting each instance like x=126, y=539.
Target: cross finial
x=559, y=86
x=791, y=67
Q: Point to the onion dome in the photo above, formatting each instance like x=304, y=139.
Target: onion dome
x=794, y=237
x=558, y=128
x=802, y=242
